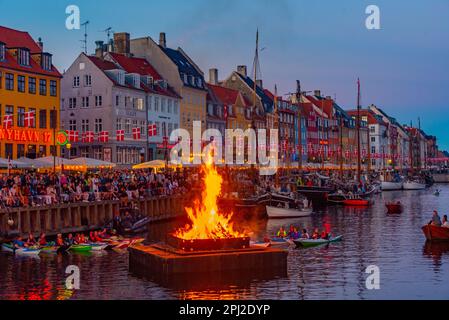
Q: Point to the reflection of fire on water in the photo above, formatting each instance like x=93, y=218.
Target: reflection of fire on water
x=206, y=220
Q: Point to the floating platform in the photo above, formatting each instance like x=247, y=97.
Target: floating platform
x=165, y=260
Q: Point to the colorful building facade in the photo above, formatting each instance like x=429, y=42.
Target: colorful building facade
x=29, y=97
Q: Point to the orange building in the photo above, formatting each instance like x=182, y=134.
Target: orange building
x=29, y=97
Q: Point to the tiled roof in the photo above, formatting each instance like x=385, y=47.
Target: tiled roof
x=226, y=95
x=142, y=67
x=20, y=39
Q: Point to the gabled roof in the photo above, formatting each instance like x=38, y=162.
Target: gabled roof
x=225, y=95
x=142, y=67
x=136, y=65
x=20, y=39
x=185, y=65
x=266, y=101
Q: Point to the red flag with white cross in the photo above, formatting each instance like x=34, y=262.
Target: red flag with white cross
x=73, y=135
x=88, y=137
x=120, y=134
x=7, y=121
x=103, y=136
x=152, y=130
x=136, y=134
x=30, y=117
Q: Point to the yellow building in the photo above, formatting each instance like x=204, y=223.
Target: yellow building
x=29, y=97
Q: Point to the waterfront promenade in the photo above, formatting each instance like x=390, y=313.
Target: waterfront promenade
x=82, y=216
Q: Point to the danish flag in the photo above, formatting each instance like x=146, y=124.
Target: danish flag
x=103, y=136
x=88, y=137
x=7, y=121
x=30, y=119
x=152, y=130
x=120, y=134
x=136, y=133
x=73, y=135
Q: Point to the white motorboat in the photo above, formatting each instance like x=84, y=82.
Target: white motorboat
x=413, y=185
x=390, y=186
x=280, y=213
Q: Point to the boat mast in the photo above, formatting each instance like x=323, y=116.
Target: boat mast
x=298, y=101
x=276, y=123
x=341, y=146
x=358, y=133
x=253, y=120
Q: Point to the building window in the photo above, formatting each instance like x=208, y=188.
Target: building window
x=46, y=61
x=53, y=119
x=43, y=119
x=72, y=103
x=53, y=88
x=42, y=87
x=98, y=101
x=21, y=83
x=76, y=82
x=20, y=116
x=20, y=151
x=175, y=107
x=2, y=51
x=24, y=57
x=117, y=100
x=1, y=79
x=163, y=100
x=85, y=102
x=156, y=104
x=8, y=151
x=139, y=104
x=84, y=125
x=42, y=151
x=72, y=125
x=128, y=126
x=373, y=139
x=87, y=80
x=373, y=149
x=118, y=124
x=31, y=85
x=98, y=125
x=9, y=81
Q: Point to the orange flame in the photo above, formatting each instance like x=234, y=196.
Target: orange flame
x=206, y=220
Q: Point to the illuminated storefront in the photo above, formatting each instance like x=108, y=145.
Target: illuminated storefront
x=29, y=97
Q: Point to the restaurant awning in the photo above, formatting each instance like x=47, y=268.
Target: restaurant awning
x=92, y=163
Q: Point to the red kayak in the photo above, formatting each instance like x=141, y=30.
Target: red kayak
x=356, y=202
x=434, y=233
x=394, y=208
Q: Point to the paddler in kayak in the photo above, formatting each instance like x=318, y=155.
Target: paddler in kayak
x=42, y=240
x=316, y=234
x=445, y=222
x=325, y=235
x=305, y=235
x=70, y=240
x=59, y=240
x=18, y=243
x=31, y=241
x=281, y=233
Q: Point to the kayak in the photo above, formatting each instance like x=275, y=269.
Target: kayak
x=260, y=244
x=50, y=250
x=434, y=233
x=99, y=246
x=7, y=247
x=315, y=242
x=277, y=242
x=356, y=202
x=81, y=248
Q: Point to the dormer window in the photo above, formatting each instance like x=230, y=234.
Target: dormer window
x=23, y=56
x=2, y=51
x=46, y=61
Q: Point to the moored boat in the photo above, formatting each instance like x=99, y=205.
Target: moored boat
x=434, y=233
x=394, y=208
x=99, y=246
x=316, y=242
x=280, y=213
x=413, y=185
x=391, y=186
x=357, y=202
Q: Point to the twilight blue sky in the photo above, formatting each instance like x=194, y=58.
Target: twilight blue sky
x=404, y=67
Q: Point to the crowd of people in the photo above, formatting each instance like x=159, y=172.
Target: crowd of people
x=36, y=189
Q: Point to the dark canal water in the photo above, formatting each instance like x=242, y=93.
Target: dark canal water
x=409, y=268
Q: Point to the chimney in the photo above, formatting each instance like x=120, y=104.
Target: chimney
x=259, y=83
x=213, y=76
x=40, y=43
x=163, y=40
x=242, y=70
x=99, y=49
x=121, y=43
x=328, y=98
x=110, y=46
x=317, y=93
